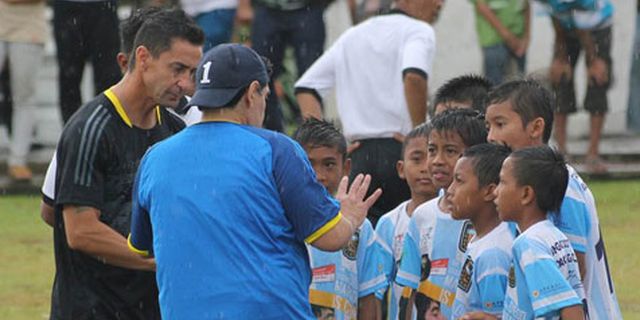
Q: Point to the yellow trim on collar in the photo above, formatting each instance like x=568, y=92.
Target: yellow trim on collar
x=120, y=110
x=144, y=253
x=324, y=229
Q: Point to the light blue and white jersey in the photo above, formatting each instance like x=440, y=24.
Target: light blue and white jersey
x=433, y=252
x=485, y=272
x=579, y=222
x=340, y=278
x=544, y=277
x=390, y=233
x=581, y=14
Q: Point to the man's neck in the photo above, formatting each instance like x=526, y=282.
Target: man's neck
x=223, y=115
x=139, y=108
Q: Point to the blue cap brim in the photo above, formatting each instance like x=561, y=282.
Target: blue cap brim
x=213, y=98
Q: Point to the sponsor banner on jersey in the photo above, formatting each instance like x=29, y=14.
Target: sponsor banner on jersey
x=324, y=274
x=464, y=282
x=439, y=267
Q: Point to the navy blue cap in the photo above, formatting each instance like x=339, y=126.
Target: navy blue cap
x=223, y=72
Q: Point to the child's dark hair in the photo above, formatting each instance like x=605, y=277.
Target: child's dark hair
x=486, y=160
x=470, y=87
x=320, y=133
x=422, y=130
x=545, y=170
x=129, y=27
x=423, y=303
x=468, y=124
x=529, y=99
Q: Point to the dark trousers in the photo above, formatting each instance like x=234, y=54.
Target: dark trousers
x=595, y=101
x=378, y=157
x=272, y=31
x=85, y=31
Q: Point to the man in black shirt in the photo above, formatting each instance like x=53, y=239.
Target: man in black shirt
x=97, y=277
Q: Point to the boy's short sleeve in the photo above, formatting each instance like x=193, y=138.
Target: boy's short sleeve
x=410, y=264
x=370, y=276
x=307, y=205
x=384, y=241
x=491, y=276
x=573, y=220
x=549, y=291
x=419, y=51
x=140, y=239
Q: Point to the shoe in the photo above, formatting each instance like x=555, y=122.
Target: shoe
x=595, y=165
x=20, y=173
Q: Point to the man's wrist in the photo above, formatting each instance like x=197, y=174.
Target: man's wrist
x=351, y=226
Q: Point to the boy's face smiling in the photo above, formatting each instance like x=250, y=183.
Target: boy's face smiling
x=464, y=193
x=508, y=193
x=506, y=127
x=443, y=151
x=328, y=164
x=414, y=167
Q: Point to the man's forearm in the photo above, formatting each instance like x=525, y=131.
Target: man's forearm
x=415, y=92
x=337, y=237
x=86, y=233
x=310, y=107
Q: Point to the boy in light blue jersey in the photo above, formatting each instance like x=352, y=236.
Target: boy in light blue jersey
x=545, y=278
x=392, y=226
x=435, y=243
x=343, y=282
x=483, y=279
x=519, y=115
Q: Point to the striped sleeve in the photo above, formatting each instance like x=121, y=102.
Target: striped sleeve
x=81, y=159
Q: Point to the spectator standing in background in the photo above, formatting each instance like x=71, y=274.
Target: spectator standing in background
x=503, y=32
x=633, y=110
x=581, y=25
x=379, y=69
x=215, y=17
x=83, y=30
x=22, y=35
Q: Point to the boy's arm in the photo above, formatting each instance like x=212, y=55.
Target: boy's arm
x=560, y=67
x=575, y=312
x=513, y=42
x=368, y=308
x=597, y=69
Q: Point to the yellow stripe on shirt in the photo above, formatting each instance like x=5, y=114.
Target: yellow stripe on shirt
x=324, y=229
x=144, y=253
x=333, y=301
x=120, y=109
x=436, y=293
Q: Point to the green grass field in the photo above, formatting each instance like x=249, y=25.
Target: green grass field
x=27, y=264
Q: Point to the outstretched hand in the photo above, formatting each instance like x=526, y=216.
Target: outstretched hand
x=353, y=204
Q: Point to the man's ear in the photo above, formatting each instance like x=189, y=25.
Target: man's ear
x=535, y=128
x=123, y=62
x=347, y=167
x=253, y=92
x=142, y=57
x=488, y=192
x=400, y=169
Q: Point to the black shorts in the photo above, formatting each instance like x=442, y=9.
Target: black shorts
x=595, y=100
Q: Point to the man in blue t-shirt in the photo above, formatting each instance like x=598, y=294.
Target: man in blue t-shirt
x=226, y=208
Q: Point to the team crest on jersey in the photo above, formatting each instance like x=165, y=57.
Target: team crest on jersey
x=465, y=236
x=350, y=250
x=512, y=277
x=464, y=282
x=425, y=267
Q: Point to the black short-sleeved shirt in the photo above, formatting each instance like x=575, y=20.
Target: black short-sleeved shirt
x=98, y=156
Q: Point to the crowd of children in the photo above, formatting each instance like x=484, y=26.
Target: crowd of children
x=498, y=226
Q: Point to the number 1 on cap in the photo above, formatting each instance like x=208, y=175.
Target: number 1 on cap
x=205, y=74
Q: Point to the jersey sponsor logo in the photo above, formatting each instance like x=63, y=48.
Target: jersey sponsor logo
x=439, y=267
x=324, y=273
x=464, y=282
x=512, y=277
x=351, y=249
x=425, y=267
x=465, y=236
